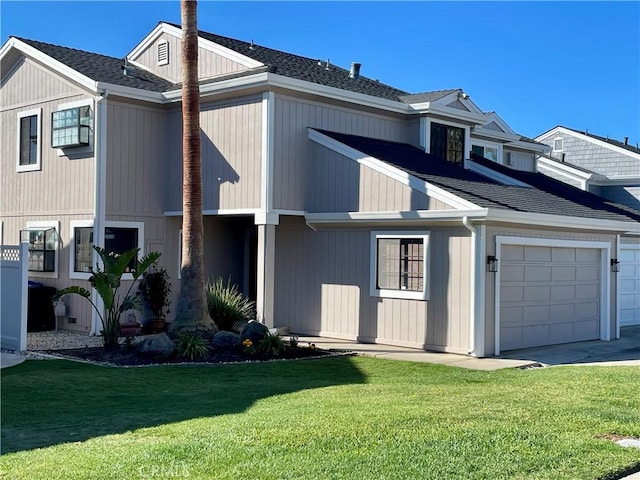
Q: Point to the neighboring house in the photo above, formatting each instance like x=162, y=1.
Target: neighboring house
x=343, y=206
x=600, y=165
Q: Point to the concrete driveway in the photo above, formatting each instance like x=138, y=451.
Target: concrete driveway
x=622, y=351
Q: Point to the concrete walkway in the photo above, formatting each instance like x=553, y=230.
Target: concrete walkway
x=624, y=351
x=10, y=359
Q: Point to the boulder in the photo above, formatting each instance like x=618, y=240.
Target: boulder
x=254, y=331
x=158, y=344
x=225, y=340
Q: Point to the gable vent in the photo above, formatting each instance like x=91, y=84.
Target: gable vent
x=163, y=52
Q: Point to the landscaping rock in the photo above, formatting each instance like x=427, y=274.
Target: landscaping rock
x=254, y=331
x=224, y=340
x=158, y=344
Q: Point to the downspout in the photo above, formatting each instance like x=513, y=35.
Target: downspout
x=616, y=297
x=100, y=188
x=476, y=289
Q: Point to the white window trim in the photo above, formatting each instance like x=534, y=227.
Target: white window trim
x=38, y=165
x=82, y=149
x=373, y=268
x=467, y=134
x=43, y=225
x=561, y=149
x=140, y=227
x=72, y=249
x=485, y=144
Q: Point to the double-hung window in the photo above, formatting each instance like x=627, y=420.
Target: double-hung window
x=28, y=141
x=399, y=265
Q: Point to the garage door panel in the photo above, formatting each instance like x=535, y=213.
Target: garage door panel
x=585, y=291
x=535, y=314
x=511, y=315
x=564, y=274
x=588, y=273
x=537, y=254
x=535, y=273
x=552, y=296
x=535, y=293
x=513, y=273
x=629, y=286
x=512, y=294
x=563, y=292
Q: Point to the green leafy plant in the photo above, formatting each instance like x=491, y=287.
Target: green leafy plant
x=155, y=289
x=228, y=307
x=192, y=346
x=293, y=341
x=272, y=345
x=107, y=281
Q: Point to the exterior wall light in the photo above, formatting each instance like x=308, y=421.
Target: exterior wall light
x=492, y=263
x=615, y=265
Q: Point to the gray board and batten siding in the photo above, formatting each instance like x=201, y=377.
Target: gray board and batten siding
x=323, y=280
x=231, y=155
x=293, y=150
x=210, y=64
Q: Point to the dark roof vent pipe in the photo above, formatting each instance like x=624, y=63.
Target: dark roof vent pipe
x=626, y=141
x=355, y=70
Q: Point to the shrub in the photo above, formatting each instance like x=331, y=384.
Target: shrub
x=192, y=346
x=228, y=307
x=272, y=345
x=155, y=289
x=293, y=341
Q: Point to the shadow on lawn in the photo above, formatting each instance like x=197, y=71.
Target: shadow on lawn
x=46, y=403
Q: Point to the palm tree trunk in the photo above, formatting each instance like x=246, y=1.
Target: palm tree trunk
x=191, y=314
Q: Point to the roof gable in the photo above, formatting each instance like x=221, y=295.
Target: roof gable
x=606, y=142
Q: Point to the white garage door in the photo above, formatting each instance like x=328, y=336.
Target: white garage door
x=629, y=278
x=548, y=295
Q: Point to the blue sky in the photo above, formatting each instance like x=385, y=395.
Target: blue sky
x=538, y=64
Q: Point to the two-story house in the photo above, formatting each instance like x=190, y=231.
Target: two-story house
x=345, y=207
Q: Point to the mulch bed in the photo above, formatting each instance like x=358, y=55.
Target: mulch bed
x=124, y=356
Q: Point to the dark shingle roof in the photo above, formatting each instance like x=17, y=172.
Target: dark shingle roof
x=610, y=141
x=547, y=197
x=101, y=68
x=427, y=96
x=303, y=68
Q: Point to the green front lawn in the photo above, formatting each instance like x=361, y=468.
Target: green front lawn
x=353, y=418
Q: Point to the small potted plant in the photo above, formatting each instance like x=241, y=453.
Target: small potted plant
x=155, y=289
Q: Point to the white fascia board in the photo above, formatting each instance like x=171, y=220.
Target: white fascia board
x=150, y=38
x=392, y=172
x=492, y=174
x=494, y=117
x=49, y=62
x=134, y=93
x=455, y=216
x=617, y=180
x=548, y=220
x=587, y=138
x=458, y=95
x=566, y=170
x=449, y=112
x=223, y=86
x=528, y=146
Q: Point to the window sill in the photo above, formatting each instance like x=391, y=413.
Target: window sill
x=400, y=294
x=28, y=168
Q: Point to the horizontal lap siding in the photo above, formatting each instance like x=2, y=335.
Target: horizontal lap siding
x=293, y=148
x=209, y=64
x=231, y=155
x=339, y=184
x=322, y=283
x=525, y=161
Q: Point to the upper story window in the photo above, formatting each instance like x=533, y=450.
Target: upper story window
x=29, y=148
x=447, y=142
x=71, y=127
x=558, y=145
x=490, y=153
